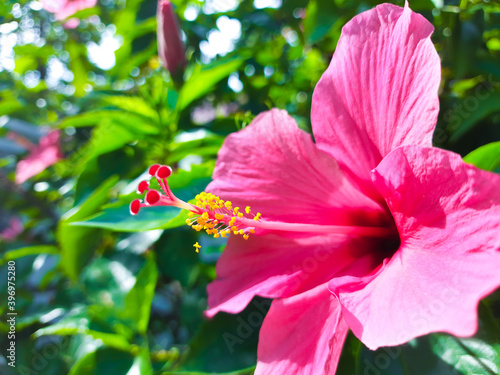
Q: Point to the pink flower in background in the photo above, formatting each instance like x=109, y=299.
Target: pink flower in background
x=170, y=47
x=63, y=9
x=14, y=229
x=40, y=157
x=370, y=228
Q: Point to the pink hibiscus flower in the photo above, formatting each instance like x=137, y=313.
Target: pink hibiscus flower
x=63, y=9
x=41, y=156
x=370, y=228
x=14, y=228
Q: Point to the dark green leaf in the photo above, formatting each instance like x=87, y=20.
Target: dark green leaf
x=138, y=300
x=78, y=244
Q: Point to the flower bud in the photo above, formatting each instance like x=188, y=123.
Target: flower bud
x=170, y=47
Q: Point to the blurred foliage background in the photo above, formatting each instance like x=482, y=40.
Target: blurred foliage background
x=102, y=292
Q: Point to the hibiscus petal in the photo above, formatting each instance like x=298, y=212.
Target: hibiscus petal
x=274, y=167
x=65, y=8
x=302, y=335
x=42, y=156
x=448, y=217
x=380, y=90
x=273, y=265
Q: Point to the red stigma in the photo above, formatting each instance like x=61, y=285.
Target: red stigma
x=152, y=197
x=163, y=197
x=153, y=169
x=163, y=172
x=135, y=206
x=143, y=186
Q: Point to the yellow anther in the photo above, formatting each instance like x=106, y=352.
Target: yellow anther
x=216, y=235
x=219, y=216
x=190, y=214
x=236, y=209
x=247, y=209
x=223, y=234
x=252, y=230
x=228, y=204
x=197, y=247
x=257, y=217
x=205, y=215
x=240, y=214
x=188, y=222
x=241, y=231
x=245, y=236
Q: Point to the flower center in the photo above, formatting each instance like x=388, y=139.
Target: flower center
x=220, y=219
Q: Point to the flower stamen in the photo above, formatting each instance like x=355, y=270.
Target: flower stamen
x=219, y=218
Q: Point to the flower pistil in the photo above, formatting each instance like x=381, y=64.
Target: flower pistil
x=219, y=218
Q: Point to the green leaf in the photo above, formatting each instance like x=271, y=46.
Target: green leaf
x=120, y=219
x=486, y=157
x=226, y=342
x=77, y=64
x=470, y=112
x=79, y=323
x=30, y=250
x=72, y=324
x=130, y=121
x=204, y=78
x=142, y=363
x=84, y=13
x=476, y=355
x=435, y=354
x=107, y=361
x=106, y=137
x=111, y=340
x=78, y=244
x=132, y=104
x=138, y=300
x=321, y=16
x=186, y=184
x=9, y=105
x=25, y=63
x=207, y=144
